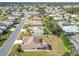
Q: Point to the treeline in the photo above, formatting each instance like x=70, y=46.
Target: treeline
x=37, y=3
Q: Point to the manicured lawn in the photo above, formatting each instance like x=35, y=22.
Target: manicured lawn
x=27, y=53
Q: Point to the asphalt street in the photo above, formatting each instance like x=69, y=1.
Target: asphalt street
x=5, y=48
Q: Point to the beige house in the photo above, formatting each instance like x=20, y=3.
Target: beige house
x=36, y=30
x=35, y=18
x=33, y=23
x=33, y=43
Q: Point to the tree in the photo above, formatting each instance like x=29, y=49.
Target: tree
x=19, y=50
x=66, y=54
x=66, y=41
x=51, y=26
x=27, y=28
x=41, y=10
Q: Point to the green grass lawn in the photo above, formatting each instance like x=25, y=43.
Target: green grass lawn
x=26, y=27
x=1, y=16
x=27, y=53
x=9, y=27
x=73, y=10
x=4, y=37
x=66, y=41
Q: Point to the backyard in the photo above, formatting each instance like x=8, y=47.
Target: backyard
x=57, y=47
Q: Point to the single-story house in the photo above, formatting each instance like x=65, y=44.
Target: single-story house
x=34, y=13
x=36, y=30
x=6, y=23
x=16, y=17
x=37, y=23
x=58, y=18
x=35, y=18
x=10, y=18
x=33, y=43
x=16, y=13
x=70, y=28
x=74, y=16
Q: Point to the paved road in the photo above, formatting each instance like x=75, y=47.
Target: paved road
x=4, y=50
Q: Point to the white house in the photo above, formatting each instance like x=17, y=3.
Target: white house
x=37, y=30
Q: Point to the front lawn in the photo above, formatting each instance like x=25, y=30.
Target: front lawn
x=14, y=52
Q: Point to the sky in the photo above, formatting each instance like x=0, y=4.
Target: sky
x=39, y=0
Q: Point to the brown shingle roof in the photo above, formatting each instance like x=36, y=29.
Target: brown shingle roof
x=32, y=42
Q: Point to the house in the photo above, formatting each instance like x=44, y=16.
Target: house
x=33, y=43
x=58, y=18
x=4, y=9
x=10, y=18
x=74, y=16
x=35, y=18
x=36, y=30
x=16, y=17
x=35, y=23
x=34, y=13
x=69, y=27
x=67, y=23
x=51, y=13
x=5, y=23
x=16, y=13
